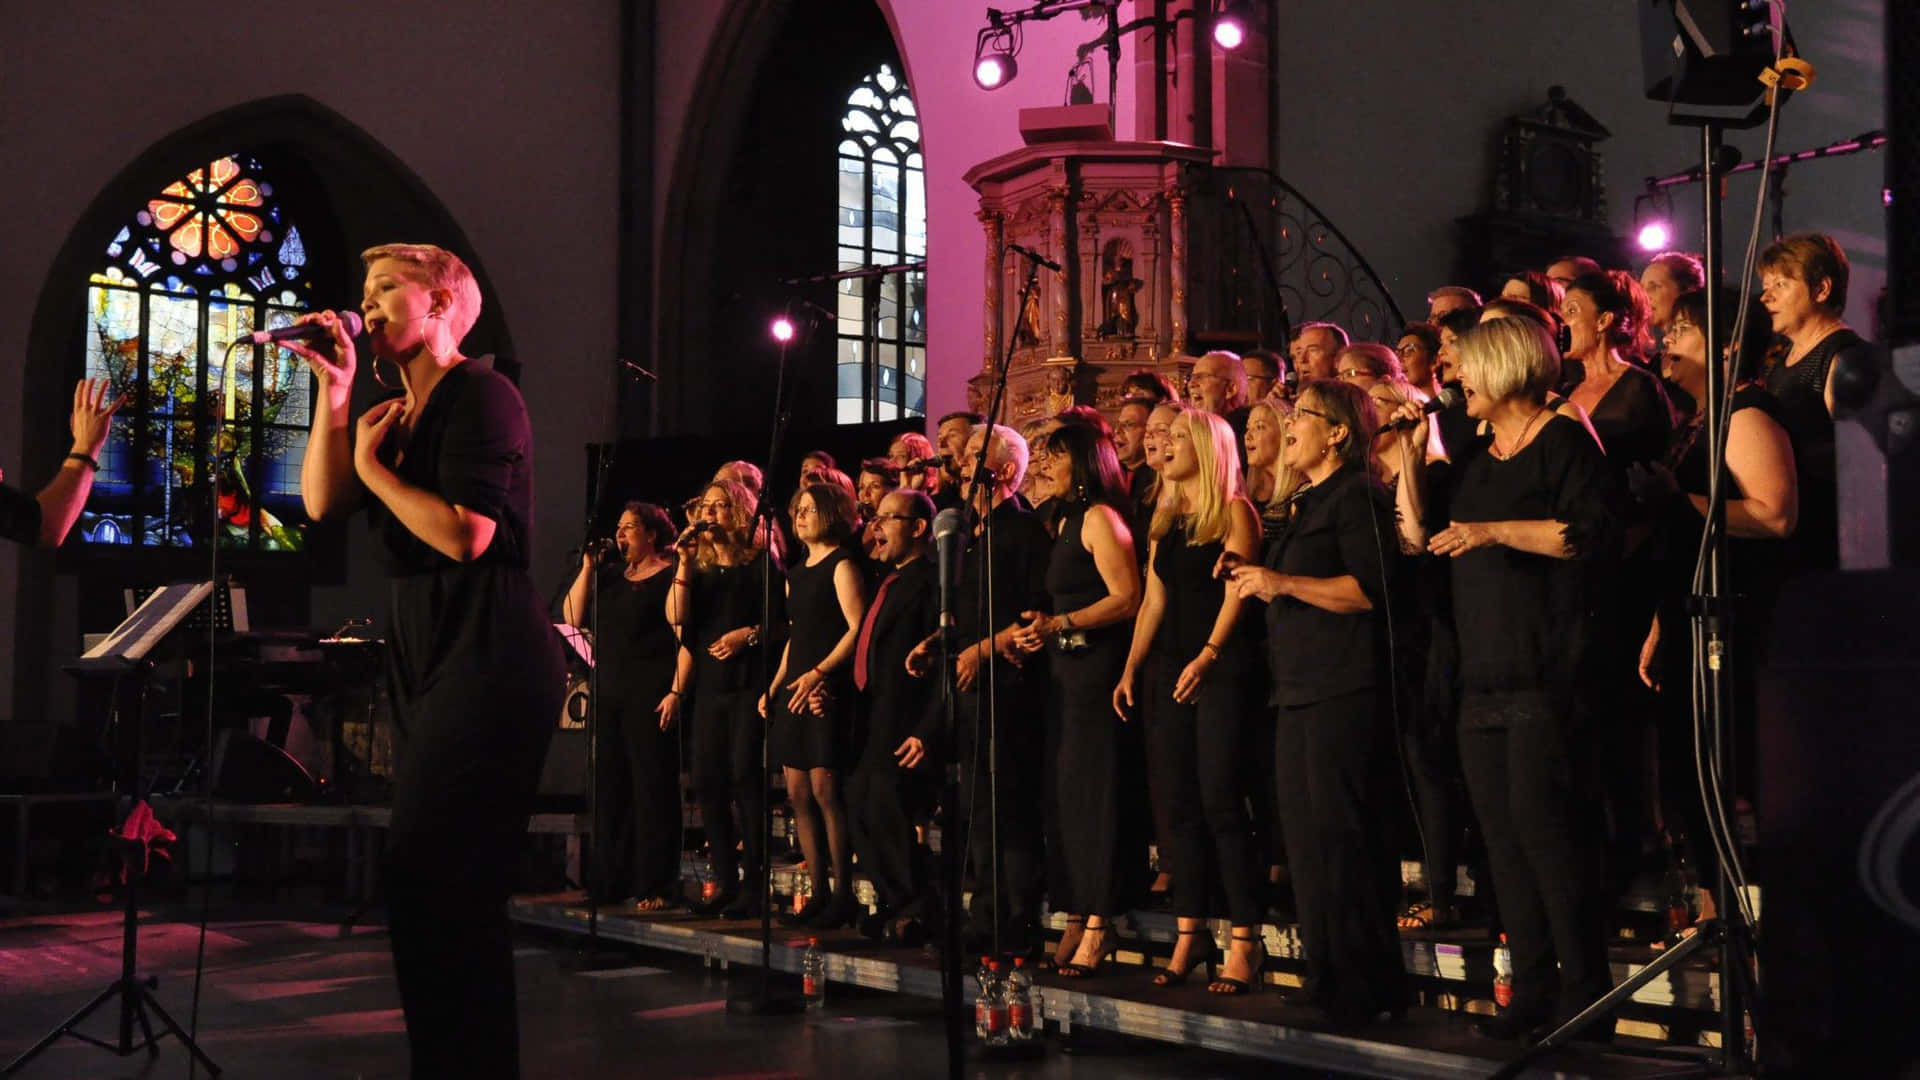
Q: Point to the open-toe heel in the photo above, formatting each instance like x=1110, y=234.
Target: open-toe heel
x=1063, y=956
x=1233, y=987
x=1108, y=946
x=1167, y=976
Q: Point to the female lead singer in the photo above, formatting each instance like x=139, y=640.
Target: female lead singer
x=445, y=472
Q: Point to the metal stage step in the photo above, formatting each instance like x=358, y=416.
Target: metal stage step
x=1429, y=1042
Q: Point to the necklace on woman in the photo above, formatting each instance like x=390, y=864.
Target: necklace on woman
x=1521, y=440
x=640, y=571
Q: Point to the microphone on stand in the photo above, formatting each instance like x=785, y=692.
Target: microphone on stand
x=349, y=319
x=946, y=543
x=938, y=461
x=1035, y=256
x=1449, y=397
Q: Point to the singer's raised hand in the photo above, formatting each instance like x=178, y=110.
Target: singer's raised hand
x=332, y=358
x=371, y=432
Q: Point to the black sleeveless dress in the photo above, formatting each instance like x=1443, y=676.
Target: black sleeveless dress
x=802, y=740
x=1800, y=391
x=638, y=791
x=1088, y=766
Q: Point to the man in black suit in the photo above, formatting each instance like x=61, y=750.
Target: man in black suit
x=892, y=784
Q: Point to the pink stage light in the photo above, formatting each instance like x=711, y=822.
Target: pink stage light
x=1228, y=32
x=1654, y=236
x=782, y=329
x=993, y=71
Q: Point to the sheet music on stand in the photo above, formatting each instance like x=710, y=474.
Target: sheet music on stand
x=579, y=642
x=149, y=624
x=225, y=610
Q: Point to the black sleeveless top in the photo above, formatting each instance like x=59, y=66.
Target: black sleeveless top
x=814, y=607
x=1800, y=392
x=635, y=643
x=1193, y=597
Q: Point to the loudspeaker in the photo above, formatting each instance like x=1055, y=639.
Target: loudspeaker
x=1903, y=173
x=1837, y=803
x=564, y=776
x=1704, y=57
x=250, y=770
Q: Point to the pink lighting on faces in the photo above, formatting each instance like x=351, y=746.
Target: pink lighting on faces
x=992, y=71
x=782, y=329
x=1654, y=236
x=1229, y=32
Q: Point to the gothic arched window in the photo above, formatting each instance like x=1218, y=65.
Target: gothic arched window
x=204, y=261
x=881, y=359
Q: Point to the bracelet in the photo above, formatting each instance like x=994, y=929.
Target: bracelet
x=681, y=581
x=1212, y=646
x=675, y=691
x=84, y=460
x=1066, y=620
x=753, y=635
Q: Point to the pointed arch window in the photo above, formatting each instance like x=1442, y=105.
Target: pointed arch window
x=207, y=259
x=881, y=361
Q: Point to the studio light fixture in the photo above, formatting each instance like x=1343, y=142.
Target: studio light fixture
x=1652, y=224
x=993, y=56
x=782, y=329
x=1230, y=24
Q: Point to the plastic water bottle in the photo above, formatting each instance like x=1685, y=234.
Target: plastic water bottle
x=1502, y=974
x=1022, y=1001
x=997, y=1020
x=813, y=975
x=983, y=978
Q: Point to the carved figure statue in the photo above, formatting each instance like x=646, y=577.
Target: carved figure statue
x=1026, y=330
x=1117, y=289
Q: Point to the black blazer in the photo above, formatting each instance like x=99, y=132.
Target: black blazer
x=896, y=705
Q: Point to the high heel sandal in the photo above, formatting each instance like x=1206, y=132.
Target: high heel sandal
x=1233, y=987
x=1072, y=921
x=1169, y=977
x=1108, y=947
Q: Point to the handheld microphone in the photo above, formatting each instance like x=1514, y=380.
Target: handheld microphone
x=1449, y=397
x=1035, y=256
x=946, y=541
x=348, y=319
x=938, y=461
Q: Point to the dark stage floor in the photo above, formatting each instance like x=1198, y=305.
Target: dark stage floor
x=290, y=999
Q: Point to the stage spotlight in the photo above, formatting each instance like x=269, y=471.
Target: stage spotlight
x=1652, y=227
x=1230, y=25
x=993, y=64
x=1654, y=236
x=782, y=329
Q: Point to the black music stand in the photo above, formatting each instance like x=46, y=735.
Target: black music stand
x=122, y=654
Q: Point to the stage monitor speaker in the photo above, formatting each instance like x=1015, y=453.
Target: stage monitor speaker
x=1703, y=58
x=250, y=770
x=1838, y=810
x=564, y=777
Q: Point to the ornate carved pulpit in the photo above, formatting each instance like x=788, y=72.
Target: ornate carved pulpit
x=1114, y=216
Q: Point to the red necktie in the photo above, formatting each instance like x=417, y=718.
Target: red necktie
x=866, y=632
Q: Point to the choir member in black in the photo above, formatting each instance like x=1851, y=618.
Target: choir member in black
x=1270, y=487
x=716, y=603
x=1326, y=585
x=1762, y=508
x=446, y=474
x=643, y=675
x=812, y=743
x=46, y=518
x=1629, y=408
x=1195, y=631
x=892, y=783
x=1093, y=589
x=950, y=441
x=1667, y=276
x=1130, y=445
x=1533, y=518
x=1803, y=279
x=1001, y=694
x=1143, y=493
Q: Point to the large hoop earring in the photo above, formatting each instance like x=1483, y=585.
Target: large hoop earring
x=384, y=384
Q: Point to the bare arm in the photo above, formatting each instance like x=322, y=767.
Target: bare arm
x=573, y=610
x=66, y=494
x=328, y=486
x=1760, y=457
x=1107, y=540
x=1547, y=538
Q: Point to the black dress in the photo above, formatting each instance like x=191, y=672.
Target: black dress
x=1801, y=393
x=638, y=789
x=1197, y=751
x=725, y=730
x=1087, y=761
x=477, y=685
x=802, y=740
x=1333, y=746
x=1523, y=622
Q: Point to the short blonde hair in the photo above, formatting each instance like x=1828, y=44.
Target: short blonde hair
x=1509, y=358
x=438, y=269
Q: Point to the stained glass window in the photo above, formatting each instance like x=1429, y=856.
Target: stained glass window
x=208, y=259
x=881, y=220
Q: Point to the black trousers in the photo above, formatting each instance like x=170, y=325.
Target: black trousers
x=467, y=764
x=883, y=802
x=726, y=737
x=1090, y=827
x=1523, y=761
x=1334, y=760
x=637, y=813
x=1014, y=819
x=1197, y=766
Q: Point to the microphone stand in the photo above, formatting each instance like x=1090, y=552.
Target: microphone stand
x=763, y=1001
x=590, y=844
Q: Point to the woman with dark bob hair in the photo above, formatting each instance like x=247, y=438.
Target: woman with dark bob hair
x=1093, y=586
x=1534, y=514
x=1327, y=583
x=811, y=739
